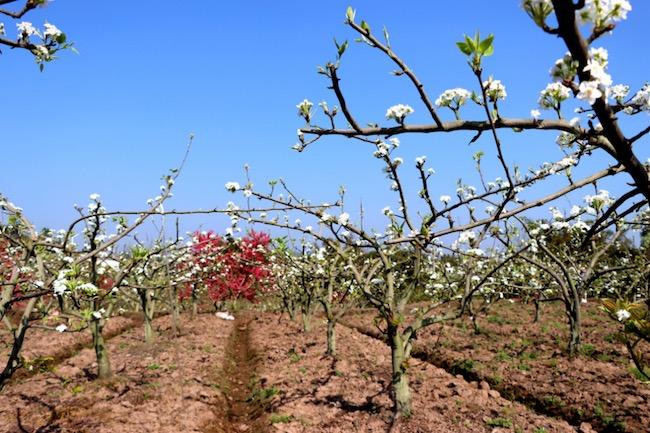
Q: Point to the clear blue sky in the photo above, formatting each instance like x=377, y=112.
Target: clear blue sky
x=115, y=117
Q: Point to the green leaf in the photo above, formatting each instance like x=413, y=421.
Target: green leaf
x=485, y=47
x=349, y=14
x=365, y=26
x=340, y=48
x=470, y=42
x=464, y=48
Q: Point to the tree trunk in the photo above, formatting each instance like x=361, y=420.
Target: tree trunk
x=13, y=362
x=538, y=306
x=306, y=322
x=173, y=300
x=149, y=333
x=574, y=329
x=147, y=313
x=401, y=390
x=103, y=362
x=331, y=337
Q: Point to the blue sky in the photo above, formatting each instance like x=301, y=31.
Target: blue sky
x=115, y=117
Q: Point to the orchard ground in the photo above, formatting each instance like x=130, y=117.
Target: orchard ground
x=263, y=373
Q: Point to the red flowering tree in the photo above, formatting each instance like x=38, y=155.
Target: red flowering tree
x=229, y=268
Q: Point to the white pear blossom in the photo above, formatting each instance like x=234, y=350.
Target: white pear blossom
x=589, y=92
x=598, y=73
x=604, y=12
x=642, y=98
x=26, y=29
x=88, y=288
x=445, y=199
x=622, y=315
x=619, y=91
x=59, y=287
x=326, y=218
x=344, y=218
x=52, y=31
x=494, y=89
x=564, y=69
x=232, y=186
x=466, y=237
x=535, y=114
x=420, y=160
x=600, y=200
x=382, y=150
x=304, y=109
x=553, y=95
x=453, y=98
x=398, y=112
x=575, y=210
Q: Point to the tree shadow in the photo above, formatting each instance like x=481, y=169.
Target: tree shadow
x=49, y=426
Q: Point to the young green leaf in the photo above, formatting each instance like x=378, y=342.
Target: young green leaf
x=485, y=47
x=349, y=14
x=464, y=47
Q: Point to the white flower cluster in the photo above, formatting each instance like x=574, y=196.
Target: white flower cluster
x=600, y=80
x=50, y=37
x=553, y=95
x=622, y=315
x=304, y=109
x=604, y=12
x=466, y=237
x=564, y=69
x=557, y=167
x=398, y=112
x=598, y=202
x=384, y=149
x=642, y=98
x=494, y=89
x=453, y=98
x=232, y=186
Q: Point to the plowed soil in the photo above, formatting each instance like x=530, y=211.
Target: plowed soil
x=527, y=362
x=261, y=373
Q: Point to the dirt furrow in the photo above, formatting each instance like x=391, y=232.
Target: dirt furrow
x=244, y=410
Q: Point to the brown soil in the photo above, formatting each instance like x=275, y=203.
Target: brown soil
x=243, y=412
x=262, y=373
x=43, y=349
x=310, y=392
x=527, y=362
x=166, y=386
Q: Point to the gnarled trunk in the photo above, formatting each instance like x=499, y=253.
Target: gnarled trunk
x=331, y=337
x=103, y=362
x=400, y=384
